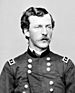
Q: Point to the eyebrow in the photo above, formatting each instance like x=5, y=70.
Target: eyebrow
x=49, y=25
x=46, y=25
x=39, y=25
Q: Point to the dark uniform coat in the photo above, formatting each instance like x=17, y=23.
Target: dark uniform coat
x=28, y=73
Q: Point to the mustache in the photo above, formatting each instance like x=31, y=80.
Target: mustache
x=44, y=38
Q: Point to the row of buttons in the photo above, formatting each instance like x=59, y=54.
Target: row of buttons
x=51, y=89
x=51, y=83
x=48, y=69
x=30, y=66
x=48, y=64
x=30, y=60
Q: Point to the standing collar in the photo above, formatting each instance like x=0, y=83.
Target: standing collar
x=37, y=52
x=34, y=53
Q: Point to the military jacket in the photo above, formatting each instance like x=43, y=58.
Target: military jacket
x=30, y=73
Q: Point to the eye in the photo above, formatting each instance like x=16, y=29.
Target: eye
x=38, y=26
x=49, y=26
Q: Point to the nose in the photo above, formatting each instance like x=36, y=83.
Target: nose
x=44, y=31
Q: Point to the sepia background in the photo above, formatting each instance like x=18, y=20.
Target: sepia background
x=13, y=42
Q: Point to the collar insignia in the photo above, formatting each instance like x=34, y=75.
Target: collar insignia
x=65, y=59
x=11, y=61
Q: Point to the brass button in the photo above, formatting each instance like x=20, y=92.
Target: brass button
x=48, y=69
x=29, y=66
x=48, y=64
x=51, y=82
x=29, y=71
x=26, y=86
x=24, y=92
x=48, y=58
x=30, y=60
x=51, y=89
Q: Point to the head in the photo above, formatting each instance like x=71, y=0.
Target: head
x=37, y=25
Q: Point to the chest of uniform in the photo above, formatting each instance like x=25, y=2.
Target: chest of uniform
x=41, y=75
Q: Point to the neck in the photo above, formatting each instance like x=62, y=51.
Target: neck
x=36, y=51
x=35, y=54
x=33, y=47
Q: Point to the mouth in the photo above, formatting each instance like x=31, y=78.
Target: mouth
x=45, y=39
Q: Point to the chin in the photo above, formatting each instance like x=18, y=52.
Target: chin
x=44, y=46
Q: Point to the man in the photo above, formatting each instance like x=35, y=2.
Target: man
x=38, y=70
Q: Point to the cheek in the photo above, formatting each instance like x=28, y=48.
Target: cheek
x=33, y=36
x=50, y=34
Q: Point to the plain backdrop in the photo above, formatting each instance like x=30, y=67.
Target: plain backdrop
x=13, y=42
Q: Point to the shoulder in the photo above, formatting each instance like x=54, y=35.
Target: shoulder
x=61, y=58
x=11, y=64
x=63, y=63
x=17, y=60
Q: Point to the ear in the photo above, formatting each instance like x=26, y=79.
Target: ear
x=26, y=32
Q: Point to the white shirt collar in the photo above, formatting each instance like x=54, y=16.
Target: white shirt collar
x=37, y=52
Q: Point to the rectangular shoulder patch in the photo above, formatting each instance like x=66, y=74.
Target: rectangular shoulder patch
x=11, y=61
x=65, y=59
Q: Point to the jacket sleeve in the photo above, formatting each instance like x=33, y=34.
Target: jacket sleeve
x=7, y=79
x=70, y=77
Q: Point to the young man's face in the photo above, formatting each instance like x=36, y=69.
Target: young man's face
x=40, y=32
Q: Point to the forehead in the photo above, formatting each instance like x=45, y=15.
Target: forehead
x=35, y=20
